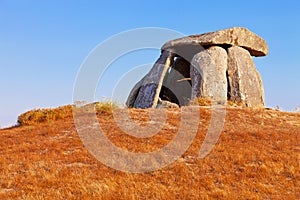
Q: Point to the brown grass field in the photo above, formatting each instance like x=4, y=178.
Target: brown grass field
x=257, y=157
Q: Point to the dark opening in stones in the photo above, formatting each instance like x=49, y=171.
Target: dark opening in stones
x=177, y=83
x=228, y=87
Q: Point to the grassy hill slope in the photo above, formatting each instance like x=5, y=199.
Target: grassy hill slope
x=257, y=157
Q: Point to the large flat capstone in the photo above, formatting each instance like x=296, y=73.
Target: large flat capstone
x=236, y=36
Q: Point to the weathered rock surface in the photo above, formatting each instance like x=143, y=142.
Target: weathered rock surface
x=212, y=83
x=245, y=84
x=216, y=66
x=147, y=91
x=236, y=36
x=134, y=93
x=166, y=104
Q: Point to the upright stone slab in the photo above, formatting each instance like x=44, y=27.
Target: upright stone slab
x=261, y=87
x=245, y=84
x=212, y=66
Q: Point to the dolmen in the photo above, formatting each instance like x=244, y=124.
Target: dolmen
x=216, y=66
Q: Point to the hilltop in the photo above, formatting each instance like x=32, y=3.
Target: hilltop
x=257, y=157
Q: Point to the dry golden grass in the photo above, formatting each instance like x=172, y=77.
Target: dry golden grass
x=200, y=101
x=236, y=104
x=256, y=157
x=37, y=116
x=44, y=115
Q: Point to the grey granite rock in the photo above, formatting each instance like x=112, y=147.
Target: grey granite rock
x=236, y=36
x=210, y=67
x=245, y=84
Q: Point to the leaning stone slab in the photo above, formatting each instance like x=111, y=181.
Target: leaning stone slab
x=209, y=70
x=236, y=36
x=134, y=93
x=148, y=89
x=245, y=84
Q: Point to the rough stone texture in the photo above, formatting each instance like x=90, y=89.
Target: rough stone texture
x=177, y=84
x=134, y=92
x=245, y=84
x=166, y=104
x=221, y=69
x=212, y=66
x=195, y=78
x=261, y=88
x=236, y=36
x=143, y=94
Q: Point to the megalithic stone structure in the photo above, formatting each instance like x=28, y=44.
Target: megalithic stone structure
x=217, y=66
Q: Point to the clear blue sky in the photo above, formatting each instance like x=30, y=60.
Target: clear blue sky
x=43, y=43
